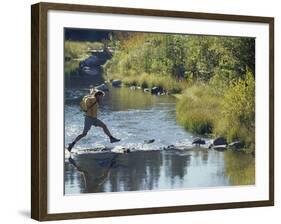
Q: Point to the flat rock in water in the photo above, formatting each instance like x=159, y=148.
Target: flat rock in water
x=121, y=149
x=105, y=149
x=125, y=149
x=177, y=147
x=220, y=147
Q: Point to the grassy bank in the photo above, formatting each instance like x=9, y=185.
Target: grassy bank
x=146, y=80
x=232, y=115
x=198, y=109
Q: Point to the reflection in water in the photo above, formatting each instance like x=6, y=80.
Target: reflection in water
x=95, y=184
x=123, y=99
x=146, y=170
x=240, y=168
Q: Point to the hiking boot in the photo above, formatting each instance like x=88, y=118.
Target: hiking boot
x=70, y=146
x=112, y=140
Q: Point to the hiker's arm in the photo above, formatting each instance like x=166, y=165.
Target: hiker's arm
x=90, y=101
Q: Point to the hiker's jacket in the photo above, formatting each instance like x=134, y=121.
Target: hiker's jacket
x=92, y=110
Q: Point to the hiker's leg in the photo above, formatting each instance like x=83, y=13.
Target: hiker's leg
x=70, y=146
x=99, y=123
x=87, y=127
x=79, y=137
x=102, y=125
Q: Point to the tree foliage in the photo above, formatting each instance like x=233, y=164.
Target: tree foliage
x=198, y=58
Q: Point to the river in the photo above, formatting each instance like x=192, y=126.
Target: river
x=136, y=117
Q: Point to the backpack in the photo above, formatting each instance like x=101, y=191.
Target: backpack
x=83, y=104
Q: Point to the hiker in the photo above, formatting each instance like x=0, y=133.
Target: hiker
x=89, y=105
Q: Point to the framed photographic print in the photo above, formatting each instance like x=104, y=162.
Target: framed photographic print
x=139, y=111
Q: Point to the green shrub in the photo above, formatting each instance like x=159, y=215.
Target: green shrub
x=238, y=111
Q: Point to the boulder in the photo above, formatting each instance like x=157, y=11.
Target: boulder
x=116, y=82
x=156, y=90
x=219, y=141
x=198, y=141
